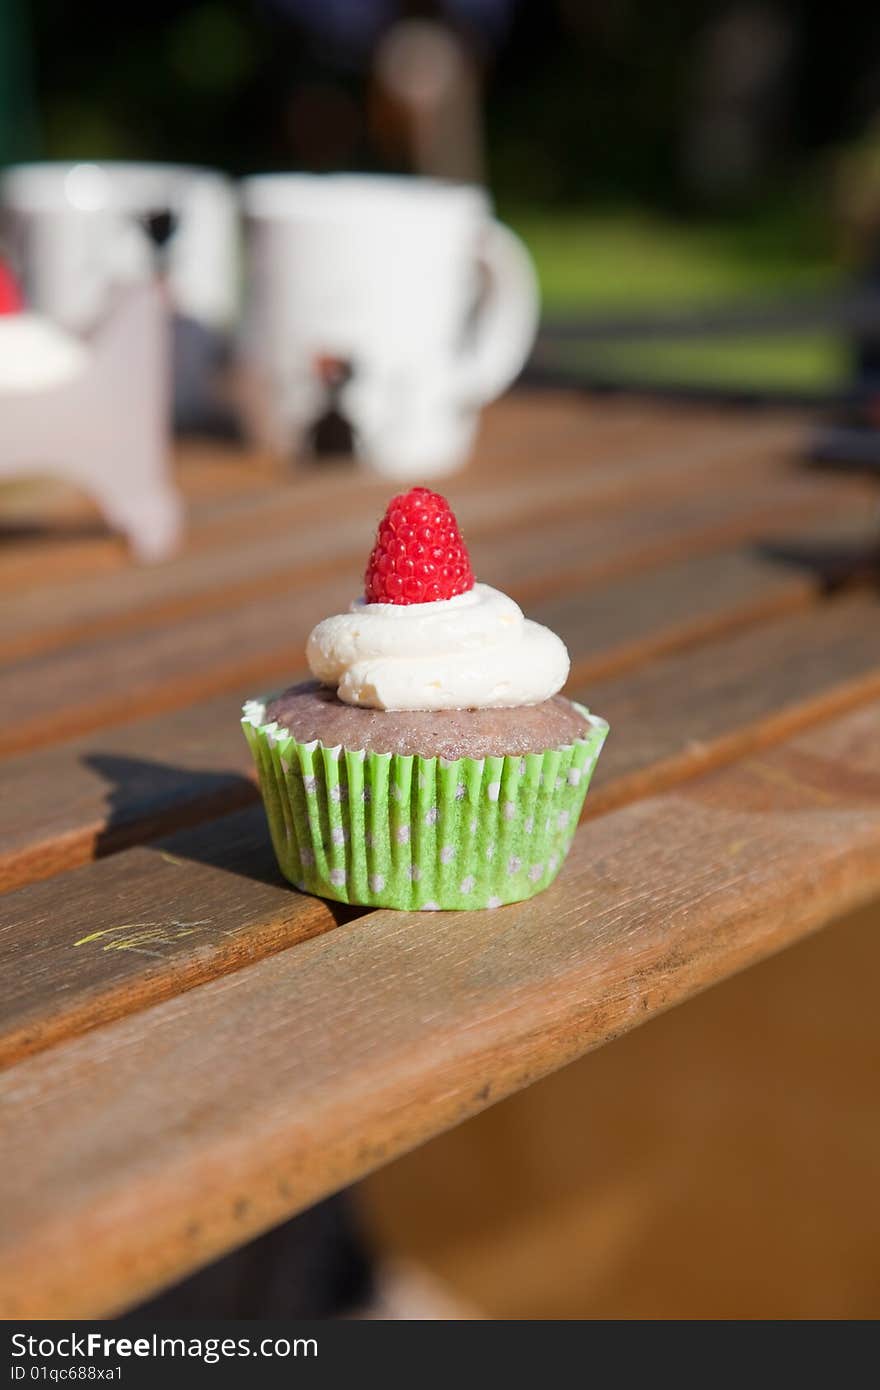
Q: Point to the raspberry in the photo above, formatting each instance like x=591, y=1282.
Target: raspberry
x=10, y=295
x=419, y=555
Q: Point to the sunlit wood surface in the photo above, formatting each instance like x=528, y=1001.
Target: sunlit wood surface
x=192, y=1051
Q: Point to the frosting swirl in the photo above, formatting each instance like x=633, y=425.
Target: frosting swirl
x=475, y=650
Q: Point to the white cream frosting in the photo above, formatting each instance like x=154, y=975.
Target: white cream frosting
x=36, y=354
x=474, y=651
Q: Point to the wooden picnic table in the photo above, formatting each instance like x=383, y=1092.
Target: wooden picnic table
x=191, y=1050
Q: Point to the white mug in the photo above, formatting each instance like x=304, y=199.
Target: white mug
x=75, y=234
x=426, y=304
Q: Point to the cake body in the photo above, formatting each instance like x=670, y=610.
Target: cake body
x=311, y=711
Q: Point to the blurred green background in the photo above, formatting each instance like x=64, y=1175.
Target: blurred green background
x=651, y=155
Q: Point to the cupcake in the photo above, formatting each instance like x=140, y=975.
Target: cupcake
x=431, y=761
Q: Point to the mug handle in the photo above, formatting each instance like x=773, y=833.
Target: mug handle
x=508, y=317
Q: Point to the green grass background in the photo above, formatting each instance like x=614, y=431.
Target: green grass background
x=624, y=261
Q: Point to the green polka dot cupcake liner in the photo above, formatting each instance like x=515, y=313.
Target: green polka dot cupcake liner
x=386, y=830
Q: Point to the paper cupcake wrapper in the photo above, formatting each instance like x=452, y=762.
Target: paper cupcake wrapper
x=384, y=830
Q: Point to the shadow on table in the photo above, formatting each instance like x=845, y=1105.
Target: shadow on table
x=834, y=565
x=177, y=809
x=175, y=812
x=53, y=530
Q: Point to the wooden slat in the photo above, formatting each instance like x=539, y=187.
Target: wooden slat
x=225, y=1110
x=147, y=925
x=708, y=706
x=48, y=531
x=680, y=715
x=272, y=549
x=107, y=680
x=232, y=490
x=98, y=794
x=95, y=794
x=46, y=537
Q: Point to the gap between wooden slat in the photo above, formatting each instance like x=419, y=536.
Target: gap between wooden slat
x=177, y=675
x=190, y=1128
x=731, y=748
x=157, y=922
x=128, y=891
x=65, y=816
x=35, y=640
x=238, y=512
x=678, y=637
x=515, y=434
x=213, y=478
x=708, y=705
x=33, y=624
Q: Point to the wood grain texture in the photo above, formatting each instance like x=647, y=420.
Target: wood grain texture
x=672, y=721
x=695, y=710
x=94, y=795
x=144, y=926
x=110, y=679
x=55, y=533
x=62, y=539
x=359, y=1044
x=238, y=1079
x=265, y=547
x=233, y=494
